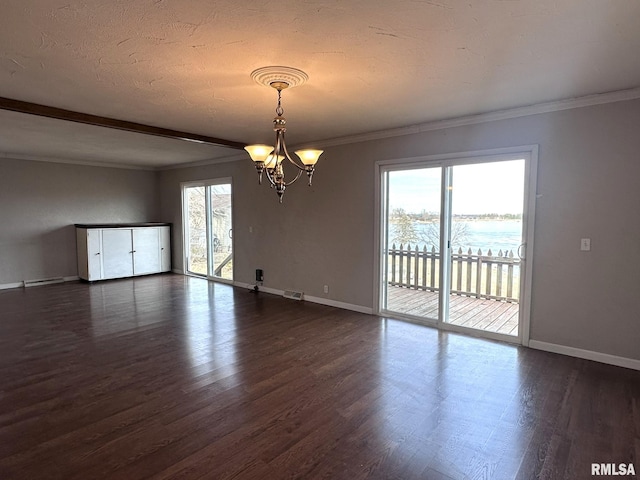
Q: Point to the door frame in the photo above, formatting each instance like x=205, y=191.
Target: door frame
x=185, y=228
x=530, y=154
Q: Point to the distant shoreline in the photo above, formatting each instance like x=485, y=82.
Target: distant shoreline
x=480, y=233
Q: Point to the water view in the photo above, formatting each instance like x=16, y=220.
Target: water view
x=495, y=234
x=505, y=235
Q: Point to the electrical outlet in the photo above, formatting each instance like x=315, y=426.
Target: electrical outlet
x=326, y=289
x=585, y=244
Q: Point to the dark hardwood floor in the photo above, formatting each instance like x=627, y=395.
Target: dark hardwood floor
x=170, y=377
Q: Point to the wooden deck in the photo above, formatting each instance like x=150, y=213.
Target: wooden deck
x=482, y=314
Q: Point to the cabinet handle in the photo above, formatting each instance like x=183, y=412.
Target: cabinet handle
x=98, y=253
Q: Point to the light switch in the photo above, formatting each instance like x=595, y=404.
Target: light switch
x=585, y=244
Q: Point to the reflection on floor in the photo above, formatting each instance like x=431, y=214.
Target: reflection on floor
x=167, y=377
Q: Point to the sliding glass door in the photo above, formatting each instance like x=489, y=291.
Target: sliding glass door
x=208, y=228
x=452, y=242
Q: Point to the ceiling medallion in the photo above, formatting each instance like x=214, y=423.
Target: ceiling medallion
x=291, y=77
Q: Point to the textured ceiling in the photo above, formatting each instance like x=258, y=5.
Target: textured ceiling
x=373, y=65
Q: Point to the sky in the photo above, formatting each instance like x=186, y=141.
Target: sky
x=496, y=187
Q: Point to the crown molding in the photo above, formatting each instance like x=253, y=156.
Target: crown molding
x=88, y=163
x=102, y=164
x=203, y=163
x=547, y=107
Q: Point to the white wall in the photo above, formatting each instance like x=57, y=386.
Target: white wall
x=40, y=202
x=589, y=170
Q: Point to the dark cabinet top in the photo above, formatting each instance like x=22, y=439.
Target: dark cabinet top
x=122, y=225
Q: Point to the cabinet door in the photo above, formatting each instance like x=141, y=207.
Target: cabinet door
x=165, y=249
x=117, y=253
x=94, y=250
x=146, y=250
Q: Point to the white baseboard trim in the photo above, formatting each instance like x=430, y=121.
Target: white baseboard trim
x=39, y=282
x=337, y=304
x=586, y=354
x=7, y=286
x=250, y=286
x=309, y=298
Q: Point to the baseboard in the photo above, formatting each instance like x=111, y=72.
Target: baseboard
x=175, y=270
x=262, y=288
x=39, y=282
x=7, y=286
x=343, y=305
x=309, y=298
x=250, y=286
x=586, y=354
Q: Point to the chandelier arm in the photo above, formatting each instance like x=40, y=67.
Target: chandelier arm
x=270, y=171
x=294, y=179
x=281, y=146
x=288, y=157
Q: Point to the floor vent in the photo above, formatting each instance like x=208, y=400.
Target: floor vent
x=293, y=295
x=43, y=281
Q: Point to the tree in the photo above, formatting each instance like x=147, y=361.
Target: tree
x=197, y=230
x=431, y=234
x=407, y=230
x=404, y=227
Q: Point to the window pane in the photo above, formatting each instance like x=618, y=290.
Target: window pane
x=413, y=242
x=221, y=231
x=197, y=230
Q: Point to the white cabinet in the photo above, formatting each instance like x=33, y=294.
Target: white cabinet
x=110, y=251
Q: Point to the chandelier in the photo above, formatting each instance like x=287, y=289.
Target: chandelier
x=269, y=159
